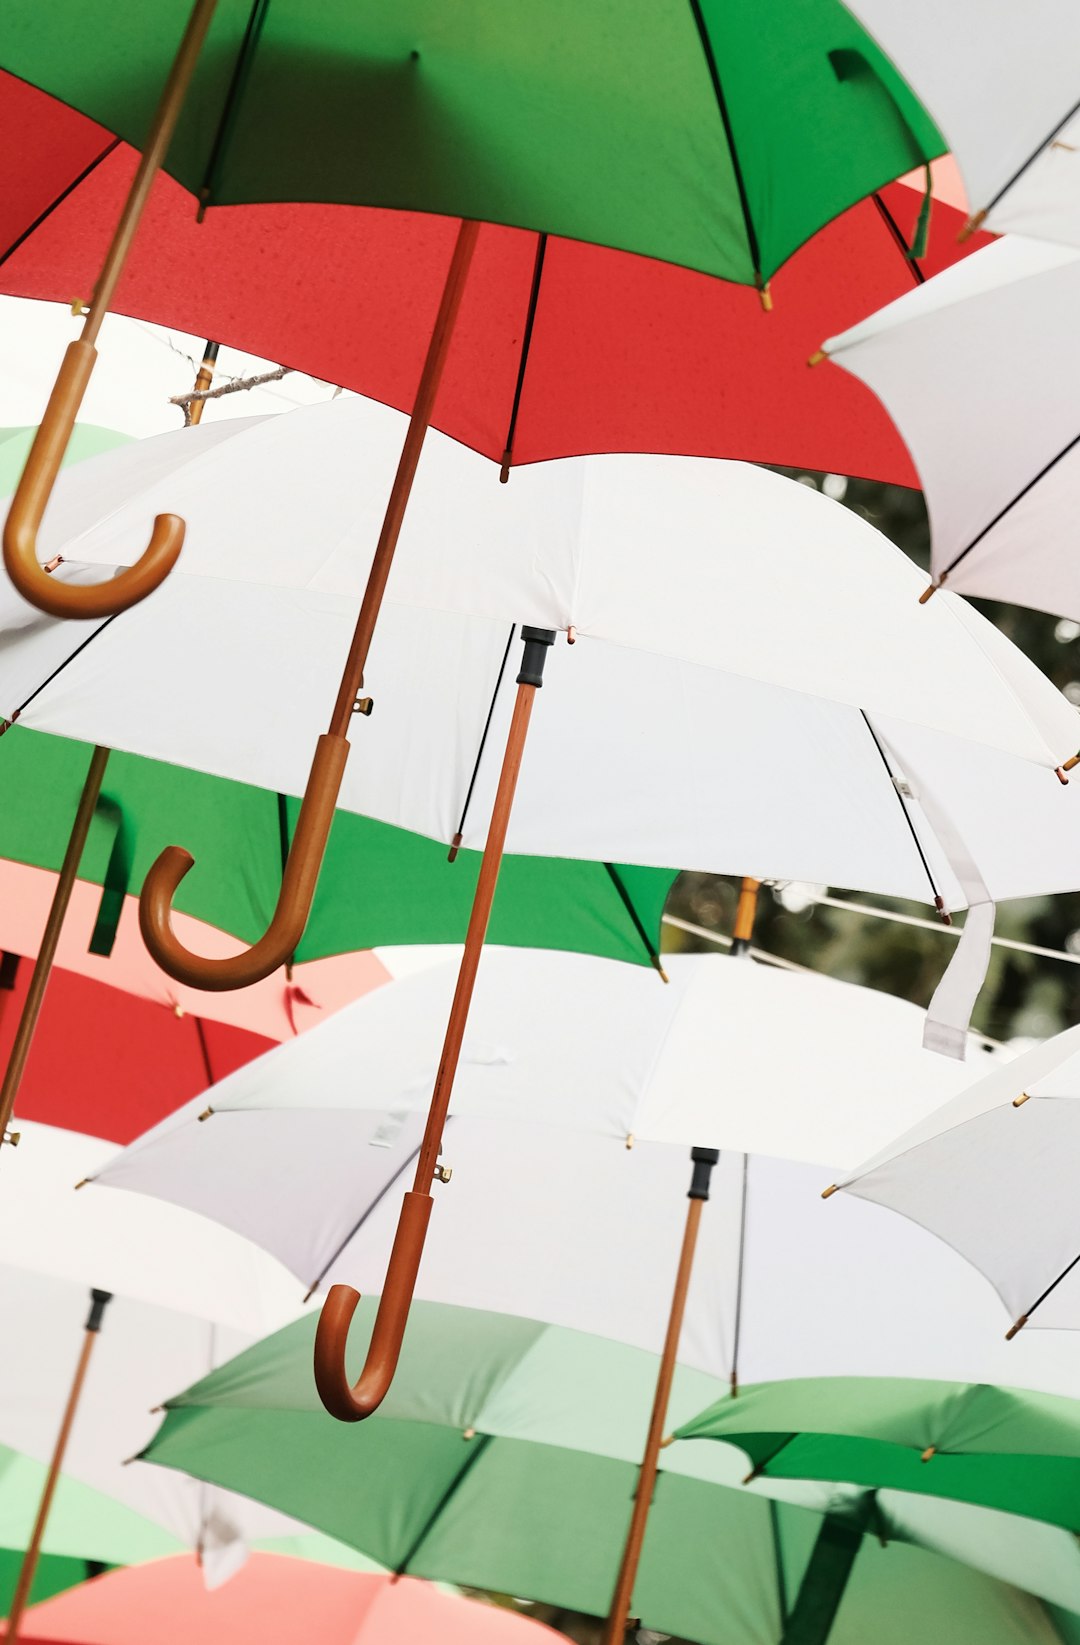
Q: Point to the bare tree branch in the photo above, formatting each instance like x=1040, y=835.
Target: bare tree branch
x=236, y=386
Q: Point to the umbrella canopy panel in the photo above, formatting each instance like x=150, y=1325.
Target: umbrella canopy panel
x=683, y=131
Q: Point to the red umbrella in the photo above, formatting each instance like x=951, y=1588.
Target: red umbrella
x=560, y=348
x=272, y=1597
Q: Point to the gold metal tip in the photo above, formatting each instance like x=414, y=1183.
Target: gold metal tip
x=928, y=592
x=669, y=1439
x=1059, y=773
x=469, y=1433
x=817, y=357
x=734, y=1384
x=1017, y=1326
x=751, y=1476
x=443, y=1173
x=205, y=1115
x=1018, y=1102
x=827, y=1193
x=1070, y=764
x=571, y=635
x=766, y=297
x=78, y=307
x=83, y=1183
x=629, y=1139
x=661, y=973
x=972, y=226
x=931, y=1450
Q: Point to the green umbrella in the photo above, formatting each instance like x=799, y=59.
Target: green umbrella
x=380, y=885
x=515, y=1472
x=88, y=440
x=699, y=131
x=971, y=1442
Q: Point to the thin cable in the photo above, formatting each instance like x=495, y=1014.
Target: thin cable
x=1019, y=172
x=1001, y=513
x=721, y=103
x=894, y=229
x=355, y=1229
x=627, y=901
x=526, y=340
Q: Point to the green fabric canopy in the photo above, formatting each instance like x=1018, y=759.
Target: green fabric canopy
x=705, y=132
x=379, y=885
x=505, y=1457
x=995, y=1447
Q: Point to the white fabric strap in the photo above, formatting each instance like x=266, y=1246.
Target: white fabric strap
x=949, y=1012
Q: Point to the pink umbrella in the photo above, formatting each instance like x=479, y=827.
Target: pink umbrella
x=272, y=1597
x=276, y=1008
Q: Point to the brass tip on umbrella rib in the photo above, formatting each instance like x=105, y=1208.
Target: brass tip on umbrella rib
x=1059, y=773
x=931, y=1450
x=669, y=1439
x=766, y=297
x=205, y=1115
x=1017, y=1326
x=455, y=847
x=817, y=357
x=82, y=1183
x=927, y=592
x=658, y=967
x=942, y=912
x=1018, y=1102
x=469, y=1433
x=733, y=1382
x=504, y=470
x=630, y=1139
x=972, y=226
x=827, y=1193
x=1069, y=764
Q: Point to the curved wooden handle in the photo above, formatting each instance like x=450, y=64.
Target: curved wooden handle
x=31, y=499
x=352, y=1402
x=294, y=900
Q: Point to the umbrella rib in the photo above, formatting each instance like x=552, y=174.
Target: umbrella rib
x=1065, y=1272
x=478, y=1445
x=483, y=741
x=526, y=341
x=356, y=1227
x=227, y=118
x=721, y=103
x=1020, y=495
x=894, y=229
x=778, y=1560
x=939, y=902
x=59, y=669
x=739, y=1270
x=1032, y=157
x=635, y=918
x=42, y=217
x=204, y=1052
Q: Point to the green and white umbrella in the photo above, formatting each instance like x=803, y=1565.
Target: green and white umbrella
x=516, y=1471
x=1002, y=1448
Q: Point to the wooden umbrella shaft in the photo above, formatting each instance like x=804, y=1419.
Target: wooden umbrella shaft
x=745, y=911
x=352, y=679
x=35, y=994
x=618, y=1616
x=33, y=1552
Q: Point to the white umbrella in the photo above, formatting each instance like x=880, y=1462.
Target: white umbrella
x=978, y=368
x=1002, y=82
x=993, y=1174
x=187, y=1295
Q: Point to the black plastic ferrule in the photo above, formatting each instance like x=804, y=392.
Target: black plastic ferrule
x=704, y=1159
x=538, y=641
x=98, y=1303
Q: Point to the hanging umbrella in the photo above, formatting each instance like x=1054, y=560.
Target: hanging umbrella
x=1002, y=84
x=297, y=1599
x=996, y=1447
x=995, y=442
x=560, y=347
x=515, y=1473
x=990, y=1175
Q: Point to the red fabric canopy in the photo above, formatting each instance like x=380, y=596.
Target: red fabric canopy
x=109, y=1064
x=626, y=354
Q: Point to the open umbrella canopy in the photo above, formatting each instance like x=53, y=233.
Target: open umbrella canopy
x=560, y=347
x=991, y=1174
x=689, y=133
x=297, y=1599
x=241, y=834
x=997, y=1447
x=1001, y=82
x=625, y=713
x=515, y=1473
x=995, y=442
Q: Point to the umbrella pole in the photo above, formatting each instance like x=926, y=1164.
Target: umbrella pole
x=281, y=940
x=99, y=1300
x=35, y=994
x=352, y=1403
x=202, y=382
x=619, y=1615
x=743, y=930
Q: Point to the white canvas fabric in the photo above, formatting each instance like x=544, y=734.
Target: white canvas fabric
x=993, y=1176
x=978, y=369
x=1001, y=81
x=188, y=1295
